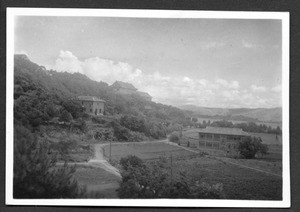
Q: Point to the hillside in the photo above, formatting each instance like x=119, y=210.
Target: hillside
x=41, y=95
x=247, y=114
x=45, y=92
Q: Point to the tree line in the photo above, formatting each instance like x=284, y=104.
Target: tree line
x=245, y=126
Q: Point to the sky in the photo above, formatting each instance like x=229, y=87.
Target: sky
x=228, y=63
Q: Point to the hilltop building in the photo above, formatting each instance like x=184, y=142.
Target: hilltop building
x=91, y=105
x=144, y=95
x=123, y=87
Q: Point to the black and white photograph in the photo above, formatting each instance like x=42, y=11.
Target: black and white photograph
x=110, y=107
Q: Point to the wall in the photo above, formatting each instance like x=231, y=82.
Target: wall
x=91, y=107
x=98, y=108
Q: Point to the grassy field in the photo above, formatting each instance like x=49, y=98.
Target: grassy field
x=145, y=151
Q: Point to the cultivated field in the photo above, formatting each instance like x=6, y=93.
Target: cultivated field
x=241, y=179
x=145, y=151
x=239, y=182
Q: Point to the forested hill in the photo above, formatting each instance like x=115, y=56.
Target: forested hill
x=41, y=95
x=60, y=83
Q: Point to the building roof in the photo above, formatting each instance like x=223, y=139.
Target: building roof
x=90, y=98
x=143, y=94
x=223, y=131
x=120, y=84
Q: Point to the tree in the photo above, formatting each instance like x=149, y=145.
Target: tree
x=35, y=172
x=73, y=107
x=250, y=146
x=174, y=137
x=133, y=123
x=152, y=180
x=66, y=116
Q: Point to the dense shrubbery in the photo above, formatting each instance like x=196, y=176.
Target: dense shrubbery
x=35, y=173
x=152, y=180
x=133, y=123
x=174, y=137
x=251, y=146
x=65, y=116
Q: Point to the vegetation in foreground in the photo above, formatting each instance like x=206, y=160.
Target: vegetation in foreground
x=153, y=180
x=35, y=172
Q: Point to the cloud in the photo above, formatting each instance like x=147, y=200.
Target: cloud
x=96, y=68
x=277, y=88
x=249, y=45
x=256, y=88
x=212, y=45
x=224, y=83
x=68, y=62
x=171, y=90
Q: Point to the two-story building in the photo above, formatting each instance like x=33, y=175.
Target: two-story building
x=91, y=105
x=123, y=88
x=221, y=137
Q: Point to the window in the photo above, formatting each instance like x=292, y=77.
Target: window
x=217, y=137
x=100, y=110
x=91, y=110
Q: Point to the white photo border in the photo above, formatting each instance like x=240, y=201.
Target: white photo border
x=137, y=13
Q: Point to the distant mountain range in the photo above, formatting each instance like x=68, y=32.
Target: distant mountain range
x=258, y=114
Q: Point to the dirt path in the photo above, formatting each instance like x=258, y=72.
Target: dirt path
x=99, y=161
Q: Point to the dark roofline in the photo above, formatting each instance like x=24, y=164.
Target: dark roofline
x=123, y=85
x=223, y=131
x=144, y=94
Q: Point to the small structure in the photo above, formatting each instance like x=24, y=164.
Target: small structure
x=144, y=95
x=123, y=87
x=91, y=105
x=221, y=137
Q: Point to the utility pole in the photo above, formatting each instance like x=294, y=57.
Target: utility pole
x=171, y=168
x=109, y=150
